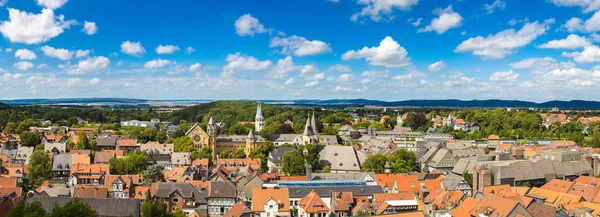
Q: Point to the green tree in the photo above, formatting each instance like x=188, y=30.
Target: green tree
x=204, y=152
x=326, y=169
x=152, y=208
x=184, y=144
x=161, y=137
x=595, y=141
x=33, y=209
x=30, y=139
x=72, y=121
x=153, y=174
x=73, y=208
x=362, y=213
x=403, y=161
x=374, y=163
x=177, y=213
x=40, y=168
x=311, y=155
x=132, y=163
x=11, y=128
x=292, y=163
x=83, y=143
x=415, y=121
x=70, y=144
x=468, y=177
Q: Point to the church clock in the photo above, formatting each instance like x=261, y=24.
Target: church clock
x=197, y=138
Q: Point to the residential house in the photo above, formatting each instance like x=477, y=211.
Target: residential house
x=122, y=186
x=180, y=159
x=23, y=154
x=390, y=203
x=90, y=191
x=239, y=210
x=341, y=204
x=271, y=202
x=127, y=145
x=221, y=197
x=88, y=174
x=106, y=143
x=104, y=157
x=155, y=148
x=235, y=164
x=275, y=157
x=55, y=148
x=339, y=159
x=312, y=206
x=495, y=205
x=181, y=195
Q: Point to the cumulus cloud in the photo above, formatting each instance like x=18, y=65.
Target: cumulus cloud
x=30, y=28
x=339, y=68
x=571, y=42
x=589, y=54
x=246, y=25
x=82, y=53
x=166, y=49
x=24, y=54
x=58, y=53
x=23, y=65
x=95, y=81
x=376, y=74
x=503, y=43
x=578, y=25
x=389, y=54
x=299, y=46
x=195, y=67
x=91, y=64
x=157, y=63
x=415, y=22
x=311, y=84
x=339, y=88
x=447, y=19
x=573, y=25
x=378, y=10
x=345, y=78
x=311, y=72
x=90, y=28
x=190, y=50
x=132, y=48
x=52, y=4
x=587, y=5
x=504, y=76
x=238, y=63
x=457, y=82
x=541, y=65
x=289, y=81
x=437, y=66
x=497, y=4
x=283, y=68
x=406, y=77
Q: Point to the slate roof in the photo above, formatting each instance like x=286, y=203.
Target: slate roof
x=222, y=189
x=181, y=158
x=338, y=158
x=118, y=207
x=151, y=148
x=283, y=137
x=62, y=162
x=61, y=147
x=24, y=153
x=325, y=191
x=106, y=142
x=277, y=154
x=103, y=157
x=186, y=190
x=237, y=138
x=342, y=176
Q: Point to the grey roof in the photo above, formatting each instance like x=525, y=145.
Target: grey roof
x=341, y=176
x=11, y=153
x=461, y=144
x=328, y=139
x=56, y=190
x=451, y=181
x=61, y=147
x=185, y=189
x=157, y=148
x=277, y=154
x=159, y=158
x=106, y=142
x=237, y=138
x=222, y=189
x=24, y=153
x=338, y=158
x=347, y=127
x=284, y=137
x=113, y=207
x=325, y=191
x=64, y=160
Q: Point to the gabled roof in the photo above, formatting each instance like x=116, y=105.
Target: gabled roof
x=495, y=205
x=128, y=143
x=262, y=195
x=342, y=201
x=312, y=203
x=465, y=208
x=558, y=185
x=186, y=190
x=222, y=189
x=238, y=210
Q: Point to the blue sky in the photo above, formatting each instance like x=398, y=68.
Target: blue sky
x=311, y=49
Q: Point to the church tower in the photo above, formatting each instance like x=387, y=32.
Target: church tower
x=259, y=120
x=250, y=142
x=313, y=124
x=212, y=131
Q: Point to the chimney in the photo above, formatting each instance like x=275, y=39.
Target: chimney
x=308, y=172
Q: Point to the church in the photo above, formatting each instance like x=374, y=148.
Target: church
x=220, y=143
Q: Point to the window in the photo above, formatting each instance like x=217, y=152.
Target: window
x=175, y=200
x=270, y=206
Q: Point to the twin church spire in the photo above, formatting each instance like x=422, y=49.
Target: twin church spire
x=259, y=119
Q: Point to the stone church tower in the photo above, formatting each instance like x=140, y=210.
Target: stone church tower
x=259, y=119
x=212, y=131
x=482, y=176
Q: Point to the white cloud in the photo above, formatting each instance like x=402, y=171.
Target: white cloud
x=132, y=48
x=447, y=19
x=246, y=25
x=95, y=81
x=52, y=4
x=406, y=77
x=42, y=66
x=91, y=64
x=589, y=54
x=457, y=82
x=573, y=25
x=342, y=89
x=59, y=53
x=346, y=77
x=376, y=74
x=299, y=46
x=503, y=43
x=437, y=66
x=289, y=81
x=30, y=28
x=166, y=49
x=504, y=76
x=238, y=63
x=377, y=10
x=8, y=50
x=541, y=65
x=578, y=25
x=82, y=53
x=389, y=54
x=157, y=63
x=190, y=50
x=311, y=84
x=365, y=81
x=90, y=28
x=311, y=72
x=593, y=24
x=416, y=22
x=195, y=67
x=339, y=68
x=587, y=5
x=498, y=4
x=283, y=68
x=571, y=42
x=8, y=76
x=23, y=65
x=24, y=54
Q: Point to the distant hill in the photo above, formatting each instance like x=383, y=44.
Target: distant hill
x=455, y=103
x=3, y=106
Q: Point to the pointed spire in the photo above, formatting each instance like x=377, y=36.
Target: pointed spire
x=210, y=121
x=307, y=128
x=259, y=113
x=251, y=134
x=313, y=124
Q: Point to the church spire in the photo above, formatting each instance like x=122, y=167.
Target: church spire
x=307, y=128
x=251, y=134
x=259, y=120
x=313, y=124
x=210, y=121
x=259, y=113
